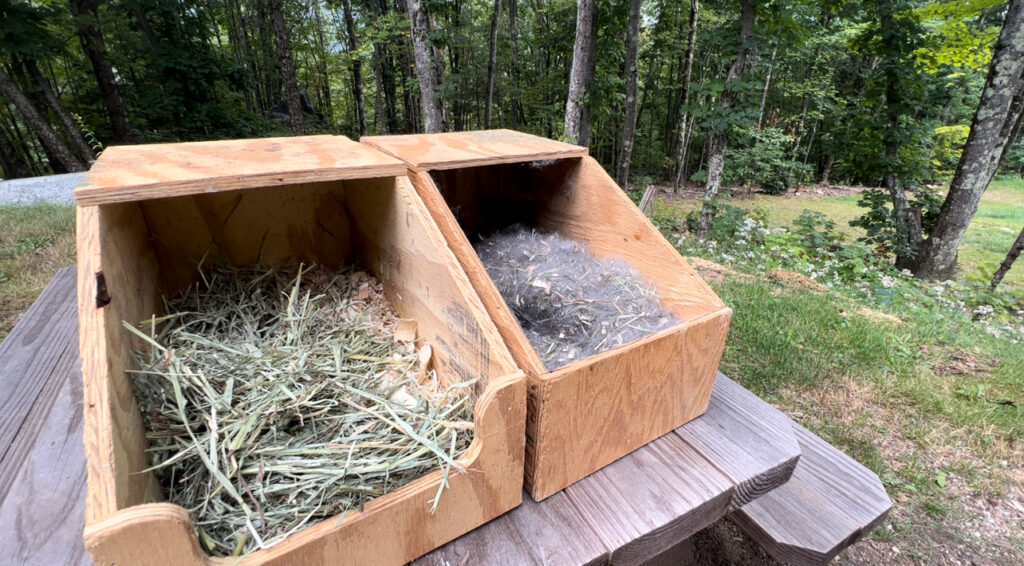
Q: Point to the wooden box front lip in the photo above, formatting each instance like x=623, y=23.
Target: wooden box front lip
x=455, y=150
x=151, y=171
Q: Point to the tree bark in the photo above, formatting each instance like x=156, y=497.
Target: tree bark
x=50, y=140
x=12, y=163
x=993, y=130
x=491, y=62
x=91, y=39
x=1011, y=256
x=284, y=55
x=629, y=122
x=577, y=117
x=681, y=146
x=719, y=138
x=356, y=66
x=431, y=106
x=73, y=134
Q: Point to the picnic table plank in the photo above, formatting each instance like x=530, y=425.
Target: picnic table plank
x=830, y=503
x=42, y=472
x=750, y=441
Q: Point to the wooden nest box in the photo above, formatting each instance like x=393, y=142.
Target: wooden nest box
x=147, y=216
x=591, y=412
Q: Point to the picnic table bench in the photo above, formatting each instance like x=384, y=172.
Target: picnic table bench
x=803, y=500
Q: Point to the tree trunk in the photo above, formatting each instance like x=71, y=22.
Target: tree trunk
x=719, y=140
x=91, y=39
x=284, y=55
x=764, y=91
x=83, y=149
x=384, y=70
x=993, y=130
x=518, y=114
x=629, y=122
x=491, y=60
x=357, y=67
x=50, y=140
x=11, y=162
x=432, y=119
x=1011, y=256
x=321, y=65
x=577, y=117
x=691, y=43
x=908, y=225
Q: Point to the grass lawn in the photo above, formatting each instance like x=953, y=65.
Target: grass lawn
x=991, y=233
x=35, y=242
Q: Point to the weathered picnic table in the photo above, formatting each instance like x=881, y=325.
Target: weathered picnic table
x=803, y=500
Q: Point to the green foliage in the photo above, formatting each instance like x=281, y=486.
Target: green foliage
x=949, y=143
x=762, y=158
x=879, y=221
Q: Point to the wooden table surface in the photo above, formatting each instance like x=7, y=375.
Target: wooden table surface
x=630, y=512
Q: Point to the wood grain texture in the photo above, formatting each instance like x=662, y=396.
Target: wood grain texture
x=140, y=172
x=470, y=149
x=42, y=474
x=148, y=246
x=552, y=533
x=647, y=502
x=750, y=441
x=830, y=502
x=28, y=356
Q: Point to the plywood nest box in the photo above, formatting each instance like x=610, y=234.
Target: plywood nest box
x=593, y=411
x=146, y=217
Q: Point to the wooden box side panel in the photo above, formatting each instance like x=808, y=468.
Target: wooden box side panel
x=391, y=530
x=279, y=226
x=516, y=341
x=602, y=408
x=116, y=282
x=591, y=208
x=453, y=150
x=405, y=249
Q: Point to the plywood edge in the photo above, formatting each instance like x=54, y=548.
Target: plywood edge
x=511, y=332
x=97, y=436
x=469, y=149
x=153, y=534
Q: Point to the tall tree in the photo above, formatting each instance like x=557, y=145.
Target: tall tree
x=50, y=140
x=684, y=97
x=91, y=38
x=1011, y=256
x=282, y=38
x=718, y=136
x=433, y=121
x=356, y=66
x=492, y=56
x=70, y=127
x=629, y=122
x=12, y=163
x=577, y=115
x=993, y=130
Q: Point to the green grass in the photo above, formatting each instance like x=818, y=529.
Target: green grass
x=35, y=242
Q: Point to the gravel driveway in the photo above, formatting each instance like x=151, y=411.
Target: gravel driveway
x=58, y=189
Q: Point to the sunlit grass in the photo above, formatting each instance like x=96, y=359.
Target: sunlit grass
x=35, y=242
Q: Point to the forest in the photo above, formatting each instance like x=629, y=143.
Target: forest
x=775, y=95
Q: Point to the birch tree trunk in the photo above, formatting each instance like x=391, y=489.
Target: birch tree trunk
x=50, y=140
x=1011, y=256
x=719, y=137
x=681, y=146
x=491, y=61
x=764, y=91
x=577, y=118
x=284, y=55
x=432, y=118
x=629, y=123
x=91, y=39
x=356, y=66
x=993, y=130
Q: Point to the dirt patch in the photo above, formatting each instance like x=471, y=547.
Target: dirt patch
x=876, y=316
x=796, y=281
x=694, y=191
x=964, y=363
x=711, y=271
